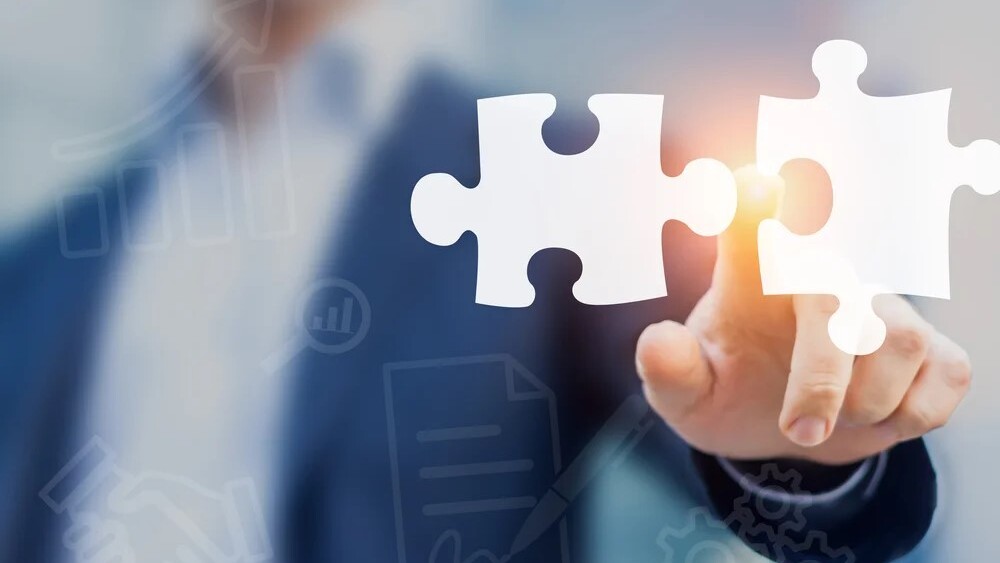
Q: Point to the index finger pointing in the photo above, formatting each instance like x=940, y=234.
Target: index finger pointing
x=737, y=269
x=819, y=376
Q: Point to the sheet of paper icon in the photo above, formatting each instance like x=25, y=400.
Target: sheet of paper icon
x=893, y=172
x=473, y=444
x=607, y=204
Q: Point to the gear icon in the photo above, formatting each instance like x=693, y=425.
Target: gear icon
x=771, y=511
x=700, y=539
x=816, y=542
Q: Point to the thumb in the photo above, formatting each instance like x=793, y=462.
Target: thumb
x=737, y=269
x=676, y=376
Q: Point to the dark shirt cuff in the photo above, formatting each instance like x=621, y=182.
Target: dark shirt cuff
x=818, y=491
x=791, y=511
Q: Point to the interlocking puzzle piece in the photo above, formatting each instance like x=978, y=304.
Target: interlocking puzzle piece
x=607, y=204
x=893, y=171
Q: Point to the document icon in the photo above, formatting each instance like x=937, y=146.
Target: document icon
x=473, y=446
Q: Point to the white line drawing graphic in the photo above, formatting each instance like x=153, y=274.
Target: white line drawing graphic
x=701, y=538
x=448, y=549
x=780, y=504
x=190, y=141
x=771, y=529
x=66, y=211
x=202, y=168
x=229, y=44
x=619, y=435
x=269, y=199
x=102, y=537
x=155, y=172
x=467, y=462
x=446, y=445
x=339, y=324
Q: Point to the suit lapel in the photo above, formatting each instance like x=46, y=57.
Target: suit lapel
x=52, y=296
x=51, y=303
x=337, y=468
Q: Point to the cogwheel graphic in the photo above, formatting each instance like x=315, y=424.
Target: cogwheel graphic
x=771, y=511
x=816, y=542
x=678, y=546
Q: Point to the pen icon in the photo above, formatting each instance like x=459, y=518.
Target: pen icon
x=612, y=443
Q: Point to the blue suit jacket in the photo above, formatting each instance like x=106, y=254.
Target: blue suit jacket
x=338, y=479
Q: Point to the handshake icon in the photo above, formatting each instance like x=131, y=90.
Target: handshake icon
x=117, y=516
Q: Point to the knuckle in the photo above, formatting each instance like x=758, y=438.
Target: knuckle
x=958, y=371
x=821, y=367
x=822, y=387
x=895, y=430
x=865, y=412
x=924, y=419
x=824, y=305
x=909, y=341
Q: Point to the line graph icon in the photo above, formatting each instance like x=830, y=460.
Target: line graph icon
x=217, y=181
x=231, y=41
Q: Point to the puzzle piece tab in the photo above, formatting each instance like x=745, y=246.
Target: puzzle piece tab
x=893, y=171
x=607, y=204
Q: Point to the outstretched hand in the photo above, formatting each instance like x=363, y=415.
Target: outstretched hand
x=750, y=376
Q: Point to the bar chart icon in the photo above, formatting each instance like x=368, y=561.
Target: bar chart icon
x=83, y=224
x=266, y=159
x=338, y=319
x=334, y=316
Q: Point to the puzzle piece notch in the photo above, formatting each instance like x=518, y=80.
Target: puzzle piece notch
x=893, y=172
x=607, y=204
x=838, y=65
x=854, y=327
x=980, y=162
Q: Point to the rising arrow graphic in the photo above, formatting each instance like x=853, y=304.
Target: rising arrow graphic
x=184, y=91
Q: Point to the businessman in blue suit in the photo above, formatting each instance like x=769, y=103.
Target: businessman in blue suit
x=165, y=351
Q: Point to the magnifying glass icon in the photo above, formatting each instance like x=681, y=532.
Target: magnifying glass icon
x=333, y=315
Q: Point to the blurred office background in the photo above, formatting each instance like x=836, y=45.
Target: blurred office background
x=69, y=67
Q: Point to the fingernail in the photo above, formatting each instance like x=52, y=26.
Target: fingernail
x=808, y=431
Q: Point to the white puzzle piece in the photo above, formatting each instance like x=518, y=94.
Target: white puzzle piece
x=607, y=204
x=893, y=171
